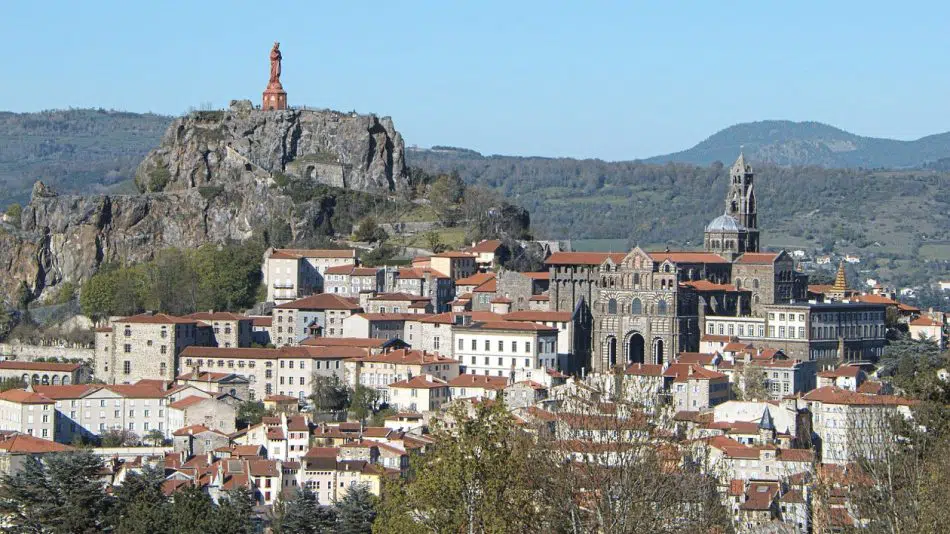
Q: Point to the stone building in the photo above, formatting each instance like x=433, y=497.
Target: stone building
x=645, y=307
x=45, y=373
x=223, y=329
x=144, y=346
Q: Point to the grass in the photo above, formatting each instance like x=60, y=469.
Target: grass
x=935, y=251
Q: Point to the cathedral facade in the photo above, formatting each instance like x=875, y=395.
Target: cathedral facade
x=646, y=307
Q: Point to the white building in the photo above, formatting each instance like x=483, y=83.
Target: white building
x=505, y=348
x=290, y=274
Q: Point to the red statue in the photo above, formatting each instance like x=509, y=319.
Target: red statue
x=275, y=58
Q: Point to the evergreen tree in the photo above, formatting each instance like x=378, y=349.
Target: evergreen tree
x=356, y=511
x=234, y=514
x=140, y=505
x=192, y=512
x=304, y=515
x=60, y=493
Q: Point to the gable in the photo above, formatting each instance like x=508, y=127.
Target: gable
x=638, y=259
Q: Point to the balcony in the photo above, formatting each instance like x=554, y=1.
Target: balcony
x=283, y=285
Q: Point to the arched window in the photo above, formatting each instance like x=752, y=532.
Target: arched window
x=666, y=268
x=636, y=279
x=66, y=380
x=738, y=283
x=55, y=380
x=755, y=299
x=636, y=307
x=612, y=306
x=661, y=307
x=755, y=283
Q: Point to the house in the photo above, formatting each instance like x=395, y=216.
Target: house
x=523, y=394
x=317, y=315
x=198, y=440
x=290, y=274
x=927, y=327
x=849, y=377
x=437, y=287
x=419, y=393
x=284, y=437
x=44, y=373
x=28, y=412
x=489, y=253
x=260, y=329
x=436, y=332
x=399, y=303
x=378, y=325
x=215, y=384
x=209, y=412
x=695, y=388
x=351, y=281
x=567, y=344
x=644, y=385
x=478, y=386
x=850, y=425
x=455, y=265
x=378, y=371
x=16, y=447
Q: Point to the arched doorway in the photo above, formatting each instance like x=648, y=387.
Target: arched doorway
x=635, y=349
x=658, y=352
x=612, y=352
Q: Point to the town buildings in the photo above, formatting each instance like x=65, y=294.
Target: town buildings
x=290, y=274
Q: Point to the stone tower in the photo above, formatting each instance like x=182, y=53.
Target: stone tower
x=735, y=232
x=740, y=201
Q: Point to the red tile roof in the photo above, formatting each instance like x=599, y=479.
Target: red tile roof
x=700, y=358
x=292, y=253
x=450, y=317
x=758, y=258
x=407, y=357
x=479, y=381
x=21, y=396
x=683, y=372
x=399, y=297
x=187, y=402
x=687, y=257
x=322, y=301
x=835, y=395
x=262, y=321
x=511, y=325
x=158, y=318
x=486, y=245
x=706, y=285
x=476, y=279
x=39, y=366
x=26, y=444
x=368, y=343
x=584, y=258
x=217, y=316
x=195, y=429
x=263, y=468
x=844, y=371
x=501, y=300
x=420, y=382
x=540, y=298
x=489, y=286
x=923, y=320
x=641, y=369
x=453, y=254
x=72, y=391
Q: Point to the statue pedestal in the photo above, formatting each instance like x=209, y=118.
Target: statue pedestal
x=274, y=97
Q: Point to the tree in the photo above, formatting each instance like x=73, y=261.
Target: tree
x=329, y=394
x=356, y=511
x=191, y=511
x=140, y=505
x=234, y=514
x=754, y=384
x=155, y=437
x=444, y=194
x=58, y=493
x=479, y=479
x=364, y=402
x=96, y=297
x=368, y=230
x=172, y=282
x=304, y=515
x=118, y=438
x=434, y=241
x=11, y=382
x=251, y=413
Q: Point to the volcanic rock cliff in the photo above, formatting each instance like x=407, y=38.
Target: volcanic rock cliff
x=217, y=176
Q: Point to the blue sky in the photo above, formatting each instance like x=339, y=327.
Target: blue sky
x=612, y=80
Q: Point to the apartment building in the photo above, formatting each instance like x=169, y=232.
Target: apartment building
x=694, y=388
x=317, y=315
x=810, y=331
x=503, y=348
x=28, y=412
x=387, y=326
x=567, y=345
x=419, y=394
x=350, y=280
x=435, y=332
x=144, y=346
x=283, y=371
x=398, y=303
x=44, y=373
x=290, y=274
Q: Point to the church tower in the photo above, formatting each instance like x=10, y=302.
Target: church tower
x=735, y=232
x=740, y=201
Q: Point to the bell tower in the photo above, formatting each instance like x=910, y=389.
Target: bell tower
x=740, y=201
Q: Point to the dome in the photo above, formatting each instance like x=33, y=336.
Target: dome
x=725, y=223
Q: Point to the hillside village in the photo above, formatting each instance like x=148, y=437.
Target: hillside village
x=725, y=362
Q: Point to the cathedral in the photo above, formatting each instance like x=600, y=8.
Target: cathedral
x=646, y=307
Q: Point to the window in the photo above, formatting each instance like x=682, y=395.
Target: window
x=127, y=367
x=501, y=346
x=514, y=346
x=162, y=367
x=781, y=331
x=612, y=306
x=127, y=348
x=163, y=349
x=435, y=343
x=527, y=346
x=461, y=343
x=128, y=331
x=487, y=345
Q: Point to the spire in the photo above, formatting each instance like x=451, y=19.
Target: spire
x=740, y=164
x=766, y=422
x=841, y=280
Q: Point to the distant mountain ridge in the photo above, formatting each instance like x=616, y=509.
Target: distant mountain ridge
x=788, y=143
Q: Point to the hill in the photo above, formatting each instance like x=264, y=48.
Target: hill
x=76, y=150
x=790, y=143
x=896, y=220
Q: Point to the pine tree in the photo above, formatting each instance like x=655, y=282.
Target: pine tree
x=60, y=493
x=234, y=514
x=140, y=504
x=304, y=515
x=192, y=512
x=356, y=511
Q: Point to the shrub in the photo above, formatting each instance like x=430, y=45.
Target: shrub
x=158, y=178
x=210, y=192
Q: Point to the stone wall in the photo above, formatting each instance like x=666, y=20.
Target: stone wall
x=27, y=352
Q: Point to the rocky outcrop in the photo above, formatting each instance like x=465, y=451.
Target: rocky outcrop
x=216, y=177
x=361, y=152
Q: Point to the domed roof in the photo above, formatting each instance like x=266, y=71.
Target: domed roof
x=725, y=223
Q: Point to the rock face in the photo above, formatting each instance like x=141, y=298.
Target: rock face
x=216, y=177
x=361, y=152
